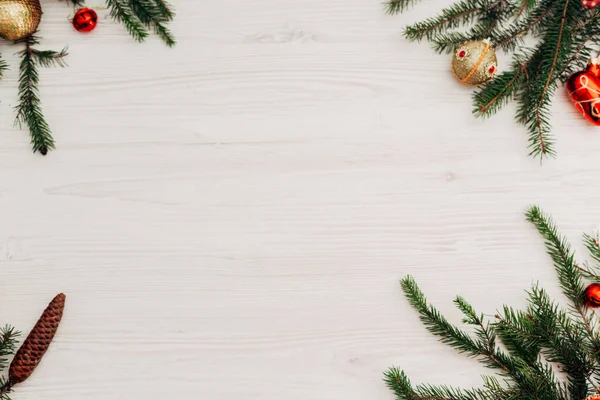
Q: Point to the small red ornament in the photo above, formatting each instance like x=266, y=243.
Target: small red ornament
x=85, y=20
x=584, y=91
x=590, y=3
x=591, y=295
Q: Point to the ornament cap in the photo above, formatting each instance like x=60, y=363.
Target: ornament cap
x=594, y=61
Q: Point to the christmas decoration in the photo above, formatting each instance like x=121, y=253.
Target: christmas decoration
x=590, y=3
x=19, y=21
x=541, y=352
x=561, y=34
x=591, y=296
x=36, y=344
x=474, y=63
x=85, y=20
x=33, y=349
x=19, y=18
x=584, y=90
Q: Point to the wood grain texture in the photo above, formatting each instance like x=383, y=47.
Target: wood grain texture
x=230, y=218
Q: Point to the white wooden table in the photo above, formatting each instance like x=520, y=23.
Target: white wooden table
x=230, y=219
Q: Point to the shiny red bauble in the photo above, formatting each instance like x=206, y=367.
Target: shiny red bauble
x=584, y=91
x=591, y=296
x=85, y=20
x=590, y=3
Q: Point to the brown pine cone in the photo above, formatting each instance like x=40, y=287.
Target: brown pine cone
x=34, y=347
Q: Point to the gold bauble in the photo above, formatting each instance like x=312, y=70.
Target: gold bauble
x=19, y=18
x=474, y=63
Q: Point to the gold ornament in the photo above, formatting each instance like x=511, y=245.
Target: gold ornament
x=19, y=18
x=474, y=63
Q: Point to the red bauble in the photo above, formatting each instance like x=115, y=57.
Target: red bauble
x=590, y=3
x=591, y=295
x=584, y=91
x=85, y=20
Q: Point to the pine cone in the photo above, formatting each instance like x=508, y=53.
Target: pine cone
x=34, y=347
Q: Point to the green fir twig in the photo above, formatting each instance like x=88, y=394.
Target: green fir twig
x=29, y=111
x=141, y=16
x=564, y=35
x=534, y=340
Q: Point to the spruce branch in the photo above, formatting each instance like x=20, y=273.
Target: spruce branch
x=397, y=6
x=141, y=16
x=561, y=253
x=121, y=12
x=154, y=17
x=8, y=344
x=29, y=111
x=565, y=32
x=495, y=94
x=458, y=14
x=75, y=3
x=592, y=243
x=165, y=9
x=537, y=339
x=5, y=389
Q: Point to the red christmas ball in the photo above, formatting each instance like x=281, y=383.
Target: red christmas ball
x=85, y=20
x=591, y=295
x=584, y=91
x=590, y=3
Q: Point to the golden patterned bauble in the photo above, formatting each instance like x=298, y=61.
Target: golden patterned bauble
x=19, y=18
x=474, y=63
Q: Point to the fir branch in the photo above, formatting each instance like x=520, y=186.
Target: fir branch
x=564, y=341
x=5, y=389
x=8, y=344
x=526, y=5
x=121, y=12
x=560, y=251
x=538, y=339
x=592, y=243
x=397, y=6
x=399, y=383
x=534, y=111
x=435, y=322
x=579, y=58
x=3, y=67
x=495, y=94
x=563, y=34
x=454, y=16
x=513, y=36
x=566, y=34
x=29, y=111
x=75, y=3
x=165, y=9
x=153, y=17
x=517, y=331
x=531, y=378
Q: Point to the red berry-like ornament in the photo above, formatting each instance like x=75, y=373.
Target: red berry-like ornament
x=590, y=3
x=591, y=295
x=85, y=20
x=584, y=90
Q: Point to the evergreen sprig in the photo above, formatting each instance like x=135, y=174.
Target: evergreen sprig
x=142, y=16
x=29, y=110
x=565, y=32
x=521, y=345
x=8, y=346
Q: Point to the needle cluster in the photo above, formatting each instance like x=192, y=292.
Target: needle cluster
x=563, y=33
x=524, y=347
